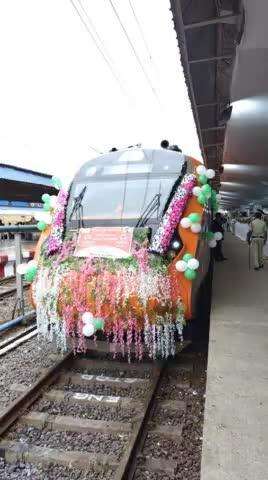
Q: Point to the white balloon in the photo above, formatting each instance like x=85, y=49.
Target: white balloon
x=87, y=317
x=218, y=236
x=181, y=266
x=210, y=173
x=44, y=217
x=88, y=330
x=193, y=263
x=196, y=191
x=185, y=222
x=201, y=170
x=22, y=268
x=212, y=243
x=196, y=227
x=53, y=201
x=32, y=263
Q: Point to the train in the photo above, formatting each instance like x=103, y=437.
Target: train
x=126, y=252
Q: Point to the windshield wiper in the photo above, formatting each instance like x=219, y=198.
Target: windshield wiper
x=151, y=208
x=78, y=208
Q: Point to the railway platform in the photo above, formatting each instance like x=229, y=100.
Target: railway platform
x=235, y=440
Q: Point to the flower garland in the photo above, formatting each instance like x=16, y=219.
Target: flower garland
x=55, y=239
x=135, y=301
x=171, y=218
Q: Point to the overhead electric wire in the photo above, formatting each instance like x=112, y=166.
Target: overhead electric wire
x=98, y=47
x=92, y=25
x=134, y=50
x=141, y=31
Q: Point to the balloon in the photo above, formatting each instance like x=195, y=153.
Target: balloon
x=181, y=266
x=41, y=225
x=210, y=173
x=87, y=317
x=218, y=236
x=187, y=257
x=98, y=323
x=53, y=201
x=202, y=199
x=212, y=243
x=30, y=274
x=201, y=170
x=185, y=222
x=202, y=179
x=196, y=191
x=195, y=217
x=193, y=264
x=206, y=189
x=32, y=263
x=45, y=197
x=46, y=207
x=88, y=330
x=190, y=274
x=196, y=227
x=22, y=268
x=56, y=183
x=210, y=235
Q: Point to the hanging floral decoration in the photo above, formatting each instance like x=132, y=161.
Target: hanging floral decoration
x=171, y=218
x=188, y=265
x=193, y=221
x=131, y=300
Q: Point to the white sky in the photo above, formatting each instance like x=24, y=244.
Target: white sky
x=58, y=97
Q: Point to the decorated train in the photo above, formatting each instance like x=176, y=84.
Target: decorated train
x=123, y=253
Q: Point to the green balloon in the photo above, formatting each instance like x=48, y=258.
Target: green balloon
x=195, y=217
x=213, y=194
x=210, y=235
x=203, y=179
x=202, y=199
x=98, y=323
x=56, y=183
x=187, y=257
x=46, y=207
x=190, y=274
x=30, y=274
x=41, y=225
x=206, y=189
x=45, y=197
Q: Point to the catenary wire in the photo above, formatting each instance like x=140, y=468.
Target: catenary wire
x=134, y=50
x=98, y=47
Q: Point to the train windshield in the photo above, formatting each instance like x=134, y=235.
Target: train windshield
x=120, y=188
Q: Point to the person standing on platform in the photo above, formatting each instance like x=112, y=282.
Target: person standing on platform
x=258, y=231
x=217, y=226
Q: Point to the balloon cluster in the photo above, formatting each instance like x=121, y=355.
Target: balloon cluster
x=213, y=238
x=50, y=203
x=204, y=174
x=91, y=324
x=29, y=270
x=193, y=221
x=188, y=265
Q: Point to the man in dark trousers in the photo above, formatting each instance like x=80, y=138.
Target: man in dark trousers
x=217, y=226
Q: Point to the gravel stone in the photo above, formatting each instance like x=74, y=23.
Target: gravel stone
x=89, y=411
x=133, y=391
x=83, y=442
x=28, y=471
x=7, y=305
x=23, y=365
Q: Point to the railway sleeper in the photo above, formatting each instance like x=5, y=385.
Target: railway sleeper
x=12, y=451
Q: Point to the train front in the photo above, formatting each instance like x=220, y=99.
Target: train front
x=119, y=258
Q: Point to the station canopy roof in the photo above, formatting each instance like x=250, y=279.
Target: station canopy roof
x=20, y=184
x=208, y=32
x=224, y=52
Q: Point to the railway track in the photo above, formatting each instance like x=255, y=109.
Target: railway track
x=8, y=287
x=14, y=340
x=98, y=418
